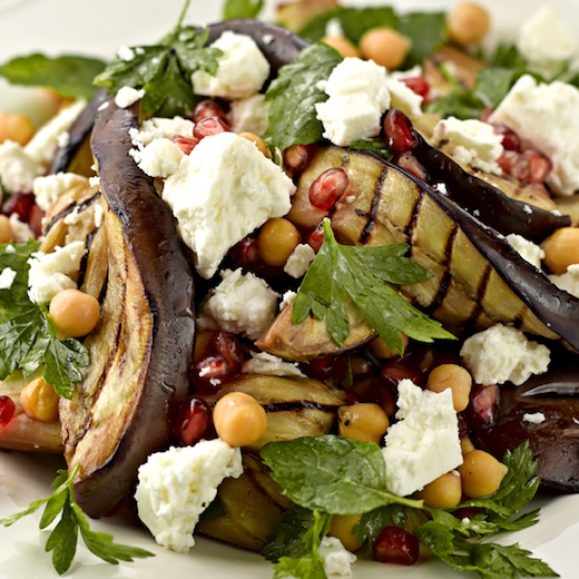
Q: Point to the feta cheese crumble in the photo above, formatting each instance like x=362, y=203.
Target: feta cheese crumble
x=222, y=191
x=404, y=98
x=7, y=278
x=528, y=250
x=472, y=143
x=424, y=444
x=160, y=158
x=159, y=128
x=300, y=260
x=568, y=281
x=128, y=96
x=264, y=363
x=17, y=169
x=177, y=485
x=336, y=559
x=534, y=417
x=240, y=304
x=242, y=71
x=48, y=189
x=21, y=231
x=503, y=354
x=250, y=114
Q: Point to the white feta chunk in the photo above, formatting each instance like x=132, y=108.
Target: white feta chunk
x=424, y=444
x=222, y=191
x=128, y=96
x=160, y=158
x=159, y=128
x=21, y=231
x=287, y=300
x=7, y=278
x=177, y=485
x=250, y=114
x=503, y=354
x=242, y=69
x=473, y=143
x=50, y=272
x=534, y=417
x=94, y=181
x=300, y=260
x=547, y=115
x=528, y=250
x=240, y=304
x=17, y=169
x=264, y=363
x=568, y=281
x=336, y=559
x=404, y=98
x=48, y=189
x=126, y=53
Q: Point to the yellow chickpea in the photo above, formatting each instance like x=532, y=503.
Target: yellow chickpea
x=6, y=233
x=342, y=45
x=444, y=492
x=40, y=401
x=468, y=23
x=258, y=142
x=366, y=422
x=74, y=313
x=239, y=419
x=385, y=46
x=277, y=240
x=14, y=127
x=481, y=474
x=466, y=445
x=342, y=527
x=382, y=351
x=561, y=249
x=454, y=377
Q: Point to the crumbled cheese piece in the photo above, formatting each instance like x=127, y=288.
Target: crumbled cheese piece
x=300, y=260
x=73, y=218
x=547, y=115
x=63, y=139
x=334, y=27
x=17, y=169
x=250, y=114
x=545, y=40
x=177, y=485
x=7, y=278
x=42, y=147
x=99, y=214
x=159, y=128
x=472, y=143
x=568, y=281
x=49, y=272
x=287, y=300
x=240, y=304
x=336, y=559
x=404, y=98
x=21, y=231
x=503, y=354
x=424, y=444
x=126, y=53
x=242, y=69
x=534, y=417
x=528, y=250
x=128, y=96
x=48, y=189
x=264, y=363
x=358, y=96
x=222, y=191
x=94, y=181
x=160, y=158
x=10, y=249
x=414, y=72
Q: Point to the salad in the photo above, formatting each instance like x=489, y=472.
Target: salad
x=308, y=288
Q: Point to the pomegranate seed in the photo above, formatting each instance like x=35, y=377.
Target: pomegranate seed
x=210, y=373
x=483, y=406
x=186, y=144
x=193, y=421
x=323, y=366
x=35, y=220
x=229, y=348
x=419, y=85
x=395, y=545
x=21, y=204
x=463, y=428
x=511, y=141
x=7, y=410
x=210, y=126
x=351, y=398
x=316, y=238
x=507, y=161
x=386, y=400
x=398, y=131
x=539, y=166
x=467, y=513
x=521, y=170
x=245, y=253
x=208, y=108
x=394, y=372
x=328, y=188
x=296, y=158
x=410, y=163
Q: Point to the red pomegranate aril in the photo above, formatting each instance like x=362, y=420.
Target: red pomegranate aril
x=193, y=421
x=386, y=399
x=296, y=158
x=410, y=163
x=351, y=398
x=323, y=367
x=396, y=371
x=7, y=410
x=208, y=108
x=539, y=166
x=210, y=126
x=511, y=141
x=35, y=220
x=229, y=348
x=483, y=405
x=521, y=170
x=398, y=132
x=316, y=239
x=395, y=545
x=21, y=204
x=328, y=188
x=507, y=161
x=186, y=144
x=463, y=428
x=245, y=253
x=210, y=373
x=419, y=85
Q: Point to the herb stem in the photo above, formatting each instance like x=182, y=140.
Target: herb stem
x=181, y=19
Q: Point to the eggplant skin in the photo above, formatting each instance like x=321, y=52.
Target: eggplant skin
x=142, y=349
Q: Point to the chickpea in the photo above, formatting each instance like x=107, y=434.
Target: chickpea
x=239, y=419
x=6, y=233
x=342, y=45
x=74, y=313
x=444, y=492
x=14, y=127
x=277, y=240
x=454, y=377
x=202, y=339
x=366, y=422
x=468, y=23
x=385, y=46
x=258, y=142
x=382, y=351
x=481, y=474
x=40, y=401
x=561, y=249
x=466, y=445
x=342, y=527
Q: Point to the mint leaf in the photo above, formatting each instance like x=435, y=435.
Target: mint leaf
x=242, y=9
x=287, y=538
x=427, y=32
x=70, y=75
x=294, y=94
x=375, y=146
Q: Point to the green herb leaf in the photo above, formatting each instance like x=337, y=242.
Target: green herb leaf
x=376, y=147
x=294, y=94
x=63, y=540
x=343, y=275
x=287, y=538
x=242, y=9
x=70, y=75
x=427, y=32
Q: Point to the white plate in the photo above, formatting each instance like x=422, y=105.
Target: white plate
x=99, y=28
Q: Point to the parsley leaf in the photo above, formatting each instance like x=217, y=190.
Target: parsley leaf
x=63, y=539
x=374, y=146
x=343, y=275
x=286, y=539
x=70, y=75
x=294, y=94
x=242, y=9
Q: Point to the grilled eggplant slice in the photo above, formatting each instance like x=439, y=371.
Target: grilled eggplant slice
x=478, y=279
